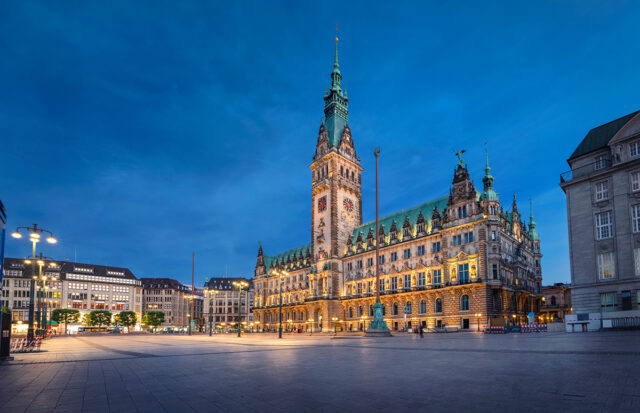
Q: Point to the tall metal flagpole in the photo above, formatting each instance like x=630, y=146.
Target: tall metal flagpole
x=193, y=288
x=378, y=327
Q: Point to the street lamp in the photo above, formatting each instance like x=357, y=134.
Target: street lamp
x=311, y=328
x=280, y=274
x=364, y=322
x=335, y=325
x=35, y=233
x=240, y=284
x=478, y=315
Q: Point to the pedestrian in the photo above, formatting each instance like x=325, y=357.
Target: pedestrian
x=421, y=330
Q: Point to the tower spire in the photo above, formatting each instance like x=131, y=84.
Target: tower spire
x=533, y=234
x=335, y=103
x=488, y=194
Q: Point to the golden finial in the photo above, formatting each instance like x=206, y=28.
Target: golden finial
x=336, y=33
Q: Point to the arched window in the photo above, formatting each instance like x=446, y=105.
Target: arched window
x=408, y=306
x=350, y=312
x=464, y=303
x=553, y=300
x=360, y=311
x=438, y=305
x=395, y=308
x=423, y=307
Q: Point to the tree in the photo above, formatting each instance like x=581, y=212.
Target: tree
x=65, y=315
x=98, y=318
x=5, y=309
x=153, y=318
x=126, y=318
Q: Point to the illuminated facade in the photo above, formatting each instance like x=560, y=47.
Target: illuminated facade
x=85, y=287
x=460, y=260
x=174, y=299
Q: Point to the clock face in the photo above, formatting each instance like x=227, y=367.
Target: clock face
x=348, y=204
x=322, y=204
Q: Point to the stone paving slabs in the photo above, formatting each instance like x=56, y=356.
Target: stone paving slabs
x=545, y=372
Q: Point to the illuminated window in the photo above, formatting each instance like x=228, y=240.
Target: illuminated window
x=463, y=273
x=421, y=279
x=606, y=267
x=635, y=181
x=635, y=218
x=437, y=276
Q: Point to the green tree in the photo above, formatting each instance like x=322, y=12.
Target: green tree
x=65, y=315
x=126, y=318
x=5, y=309
x=98, y=318
x=153, y=318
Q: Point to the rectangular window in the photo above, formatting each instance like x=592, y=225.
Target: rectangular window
x=359, y=289
x=468, y=237
x=407, y=281
x=381, y=285
x=604, y=226
x=635, y=181
x=601, y=162
x=495, y=271
x=394, y=283
x=406, y=253
x=437, y=276
x=457, y=239
x=463, y=273
x=636, y=261
x=606, y=267
x=359, y=264
x=436, y=246
x=420, y=250
x=421, y=279
x=369, y=262
x=608, y=302
x=493, y=236
x=634, y=149
x=602, y=190
x=349, y=266
x=381, y=259
x=635, y=218
x=394, y=256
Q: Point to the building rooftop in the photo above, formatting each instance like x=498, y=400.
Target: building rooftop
x=66, y=268
x=599, y=137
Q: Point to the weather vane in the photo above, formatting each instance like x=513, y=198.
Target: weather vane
x=336, y=33
x=459, y=155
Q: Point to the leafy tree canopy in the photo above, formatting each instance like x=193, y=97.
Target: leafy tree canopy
x=153, y=318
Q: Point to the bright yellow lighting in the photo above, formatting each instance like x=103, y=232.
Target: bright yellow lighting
x=34, y=235
x=51, y=240
x=52, y=264
x=16, y=234
x=40, y=262
x=27, y=261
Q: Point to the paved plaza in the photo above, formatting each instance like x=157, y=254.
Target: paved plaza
x=546, y=372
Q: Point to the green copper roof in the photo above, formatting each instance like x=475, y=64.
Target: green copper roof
x=599, y=137
x=293, y=254
x=488, y=194
x=336, y=104
x=399, y=218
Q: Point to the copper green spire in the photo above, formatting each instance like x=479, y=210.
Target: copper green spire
x=335, y=104
x=488, y=194
x=533, y=234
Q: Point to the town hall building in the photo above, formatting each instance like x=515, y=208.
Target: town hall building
x=460, y=260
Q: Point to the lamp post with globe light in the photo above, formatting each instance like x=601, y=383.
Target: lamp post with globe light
x=35, y=235
x=240, y=285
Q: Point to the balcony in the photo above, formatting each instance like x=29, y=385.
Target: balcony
x=585, y=170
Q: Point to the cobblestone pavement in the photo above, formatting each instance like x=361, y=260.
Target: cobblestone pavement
x=546, y=372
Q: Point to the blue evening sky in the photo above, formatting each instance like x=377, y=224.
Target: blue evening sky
x=140, y=131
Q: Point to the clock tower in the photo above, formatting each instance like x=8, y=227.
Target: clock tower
x=336, y=172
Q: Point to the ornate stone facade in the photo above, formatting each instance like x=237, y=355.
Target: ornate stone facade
x=460, y=260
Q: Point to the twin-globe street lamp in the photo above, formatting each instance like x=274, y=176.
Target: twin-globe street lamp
x=34, y=237
x=240, y=285
x=281, y=274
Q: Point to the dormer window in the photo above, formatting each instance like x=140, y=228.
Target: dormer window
x=406, y=232
x=421, y=227
x=394, y=235
x=600, y=162
x=634, y=149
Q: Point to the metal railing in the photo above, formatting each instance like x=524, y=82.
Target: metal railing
x=585, y=170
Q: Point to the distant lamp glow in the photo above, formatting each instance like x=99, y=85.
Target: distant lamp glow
x=52, y=240
x=27, y=261
x=16, y=234
x=40, y=262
